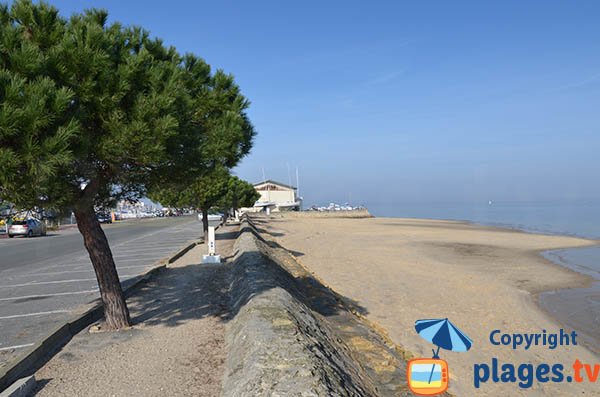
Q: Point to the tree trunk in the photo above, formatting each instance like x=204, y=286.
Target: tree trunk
x=225, y=217
x=205, y=222
x=115, y=308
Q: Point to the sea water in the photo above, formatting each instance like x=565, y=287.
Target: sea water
x=580, y=218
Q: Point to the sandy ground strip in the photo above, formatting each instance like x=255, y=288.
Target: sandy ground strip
x=481, y=278
x=175, y=348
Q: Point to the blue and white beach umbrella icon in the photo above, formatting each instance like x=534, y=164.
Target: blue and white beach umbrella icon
x=443, y=334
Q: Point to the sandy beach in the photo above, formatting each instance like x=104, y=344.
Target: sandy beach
x=481, y=278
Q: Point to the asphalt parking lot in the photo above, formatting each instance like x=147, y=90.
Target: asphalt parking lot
x=43, y=279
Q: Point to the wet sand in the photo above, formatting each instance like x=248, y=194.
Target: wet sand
x=577, y=307
x=481, y=278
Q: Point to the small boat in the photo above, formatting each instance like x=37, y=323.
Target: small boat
x=289, y=206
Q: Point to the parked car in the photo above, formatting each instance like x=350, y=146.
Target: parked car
x=211, y=217
x=29, y=228
x=104, y=217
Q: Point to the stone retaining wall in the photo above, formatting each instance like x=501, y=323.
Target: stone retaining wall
x=277, y=345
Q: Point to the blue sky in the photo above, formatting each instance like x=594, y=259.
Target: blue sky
x=404, y=101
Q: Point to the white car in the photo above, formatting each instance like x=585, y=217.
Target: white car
x=29, y=228
x=211, y=217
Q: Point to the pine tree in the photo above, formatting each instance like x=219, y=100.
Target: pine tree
x=92, y=113
x=228, y=138
x=203, y=193
x=239, y=194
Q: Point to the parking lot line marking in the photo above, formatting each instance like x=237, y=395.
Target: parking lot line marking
x=90, y=270
x=133, y=256
x=67, y=265
x=136, y=252
x=142, y=252
x=14, y=298
x=15, y=347
x=140, y=237
x=87, y=264
x=58, y=282
x=154, y=258
x=149, y=243
x=52, y=273
x=131, y=267
x=35, y=314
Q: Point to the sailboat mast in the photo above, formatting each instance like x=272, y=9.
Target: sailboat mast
x=297, y=182
x=268, y=186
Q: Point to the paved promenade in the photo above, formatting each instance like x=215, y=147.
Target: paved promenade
x=43, y=279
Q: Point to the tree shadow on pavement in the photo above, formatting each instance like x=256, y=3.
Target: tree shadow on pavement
x=195, y=291
x=226, y=236
x=181, y=294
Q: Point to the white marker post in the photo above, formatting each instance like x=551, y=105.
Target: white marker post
x=212, y=249
x=212, y=256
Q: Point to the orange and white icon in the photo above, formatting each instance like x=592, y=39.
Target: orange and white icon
x=427, y=376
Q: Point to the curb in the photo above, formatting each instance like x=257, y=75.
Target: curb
x=183, y=251
x=21, y=388
x=32, y=359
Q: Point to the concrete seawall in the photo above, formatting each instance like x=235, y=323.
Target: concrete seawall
x=290, y=334
x=277, y=344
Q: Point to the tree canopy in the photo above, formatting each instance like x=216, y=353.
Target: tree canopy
x=106, y=107
x=217, y=189
x=239, y=194
x=93, y=112
x=203, y=192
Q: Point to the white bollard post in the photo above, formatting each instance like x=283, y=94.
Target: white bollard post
x=212, y=256
x=211, y=241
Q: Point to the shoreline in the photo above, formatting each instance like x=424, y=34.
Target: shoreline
x=547, y=300
x=543, y=298
x=503, y=226
x=557, y=303
x=486, y=275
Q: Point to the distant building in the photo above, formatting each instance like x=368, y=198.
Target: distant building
x=277, y=197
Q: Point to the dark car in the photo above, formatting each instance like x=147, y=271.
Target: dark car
x=29, y=228
x=104, y=218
